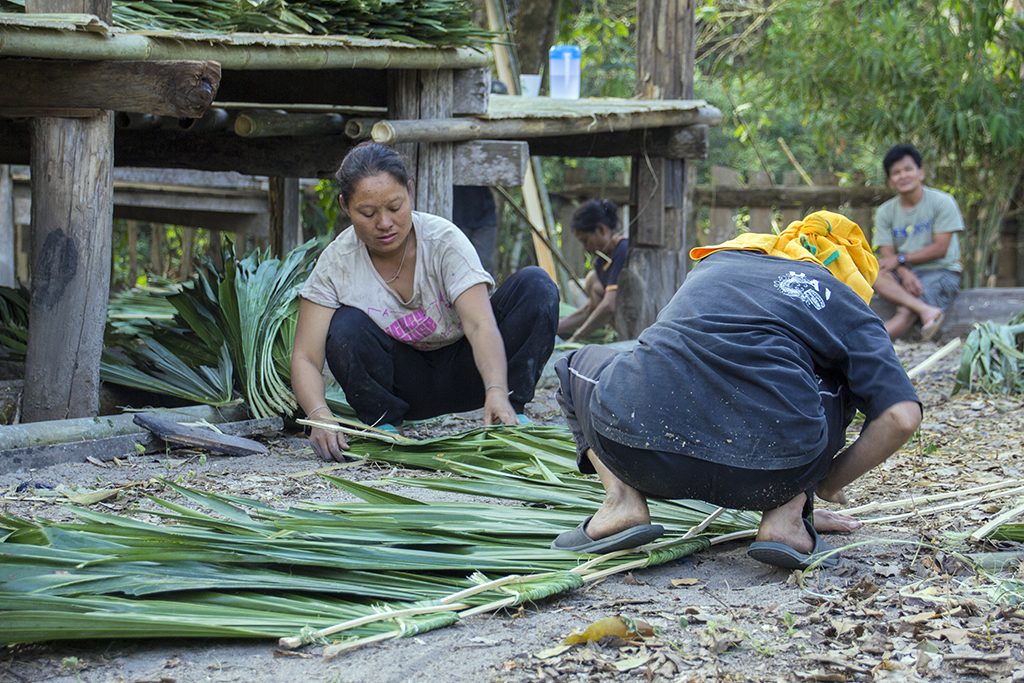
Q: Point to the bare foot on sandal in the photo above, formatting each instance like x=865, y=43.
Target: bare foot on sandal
x=831, y=522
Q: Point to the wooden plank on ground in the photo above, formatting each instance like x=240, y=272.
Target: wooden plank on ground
x=970, y=306
x=174, y=432
x=107, y=449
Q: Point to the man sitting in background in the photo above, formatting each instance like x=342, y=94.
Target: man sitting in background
x=918, y=249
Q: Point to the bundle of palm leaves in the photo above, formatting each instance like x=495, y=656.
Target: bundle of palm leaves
x=386, y=567
x=231, y=334
x=992, y=358
x=430, y=22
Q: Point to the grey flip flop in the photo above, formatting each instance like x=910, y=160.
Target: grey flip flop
x=577, y=541
x=781, y=555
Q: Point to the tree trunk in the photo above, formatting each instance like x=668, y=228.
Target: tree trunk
x=536, y=27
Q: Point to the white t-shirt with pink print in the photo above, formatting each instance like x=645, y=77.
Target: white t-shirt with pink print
x=446, y=266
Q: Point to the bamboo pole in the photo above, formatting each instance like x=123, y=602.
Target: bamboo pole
x=994, y=524
x=460, y=129
x=915, y=500
x=934, y=358
x=261, y=124
x=241, y=51
x=359, y=128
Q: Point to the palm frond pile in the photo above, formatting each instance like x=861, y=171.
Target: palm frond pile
x=230, y=333
x=386, y=567
x=430, y=22
x=993, y=358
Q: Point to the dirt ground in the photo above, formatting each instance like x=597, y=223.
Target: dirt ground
x=901, y=606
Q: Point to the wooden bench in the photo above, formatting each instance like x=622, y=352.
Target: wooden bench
x=970, y=306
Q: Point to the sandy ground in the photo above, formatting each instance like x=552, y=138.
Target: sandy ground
x=892, y=610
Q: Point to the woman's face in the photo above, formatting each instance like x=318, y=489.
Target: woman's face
x=595, y=241
x=381, y=211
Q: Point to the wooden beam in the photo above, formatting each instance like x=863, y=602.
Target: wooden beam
x=315, y=156
x=180, y=89
x=471, y=88
x=783, y=196
x=690, y=142
x=455, y=130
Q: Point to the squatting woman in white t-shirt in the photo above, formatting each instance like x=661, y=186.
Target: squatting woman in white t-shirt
x=398, y=307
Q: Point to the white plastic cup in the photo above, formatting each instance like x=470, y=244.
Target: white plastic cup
x=529, y=85
x=564, y=71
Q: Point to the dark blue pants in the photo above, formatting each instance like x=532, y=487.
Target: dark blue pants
x=386, y=381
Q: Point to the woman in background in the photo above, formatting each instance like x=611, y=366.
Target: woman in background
x=595, y=224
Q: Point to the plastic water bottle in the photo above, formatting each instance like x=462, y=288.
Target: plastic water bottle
x=564, y=71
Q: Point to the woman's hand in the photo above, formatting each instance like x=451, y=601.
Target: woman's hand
x=328, y=444
x=307, y=380
x=497, y=409
x=477, y=318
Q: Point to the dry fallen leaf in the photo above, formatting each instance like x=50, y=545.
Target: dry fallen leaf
x=623, y=627
x=676, y=583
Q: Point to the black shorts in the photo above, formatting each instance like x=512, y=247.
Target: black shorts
x=660, y=474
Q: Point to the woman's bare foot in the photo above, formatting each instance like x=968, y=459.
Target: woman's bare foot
x=832, y=522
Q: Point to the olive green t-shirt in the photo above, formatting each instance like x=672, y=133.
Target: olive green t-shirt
x=913, y=229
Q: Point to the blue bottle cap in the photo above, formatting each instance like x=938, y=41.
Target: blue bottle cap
x=560, y=51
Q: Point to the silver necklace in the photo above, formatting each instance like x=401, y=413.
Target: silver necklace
x=406, y=251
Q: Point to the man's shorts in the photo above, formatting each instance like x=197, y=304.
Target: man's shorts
x=940, y=287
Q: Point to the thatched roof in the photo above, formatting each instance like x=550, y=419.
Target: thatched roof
x=83, y=36
x=422, y=22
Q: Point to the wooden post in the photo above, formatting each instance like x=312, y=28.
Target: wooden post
x=7, y=276
x=285, y=215
x=72, y=221
x=660, y=237
x=760, y=219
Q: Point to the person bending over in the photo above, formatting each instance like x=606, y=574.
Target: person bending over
x=398, y=306
x=595, y=224
x=741, y=393
x=919, y=252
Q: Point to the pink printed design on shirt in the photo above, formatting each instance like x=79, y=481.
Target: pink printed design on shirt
x=413, y=327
